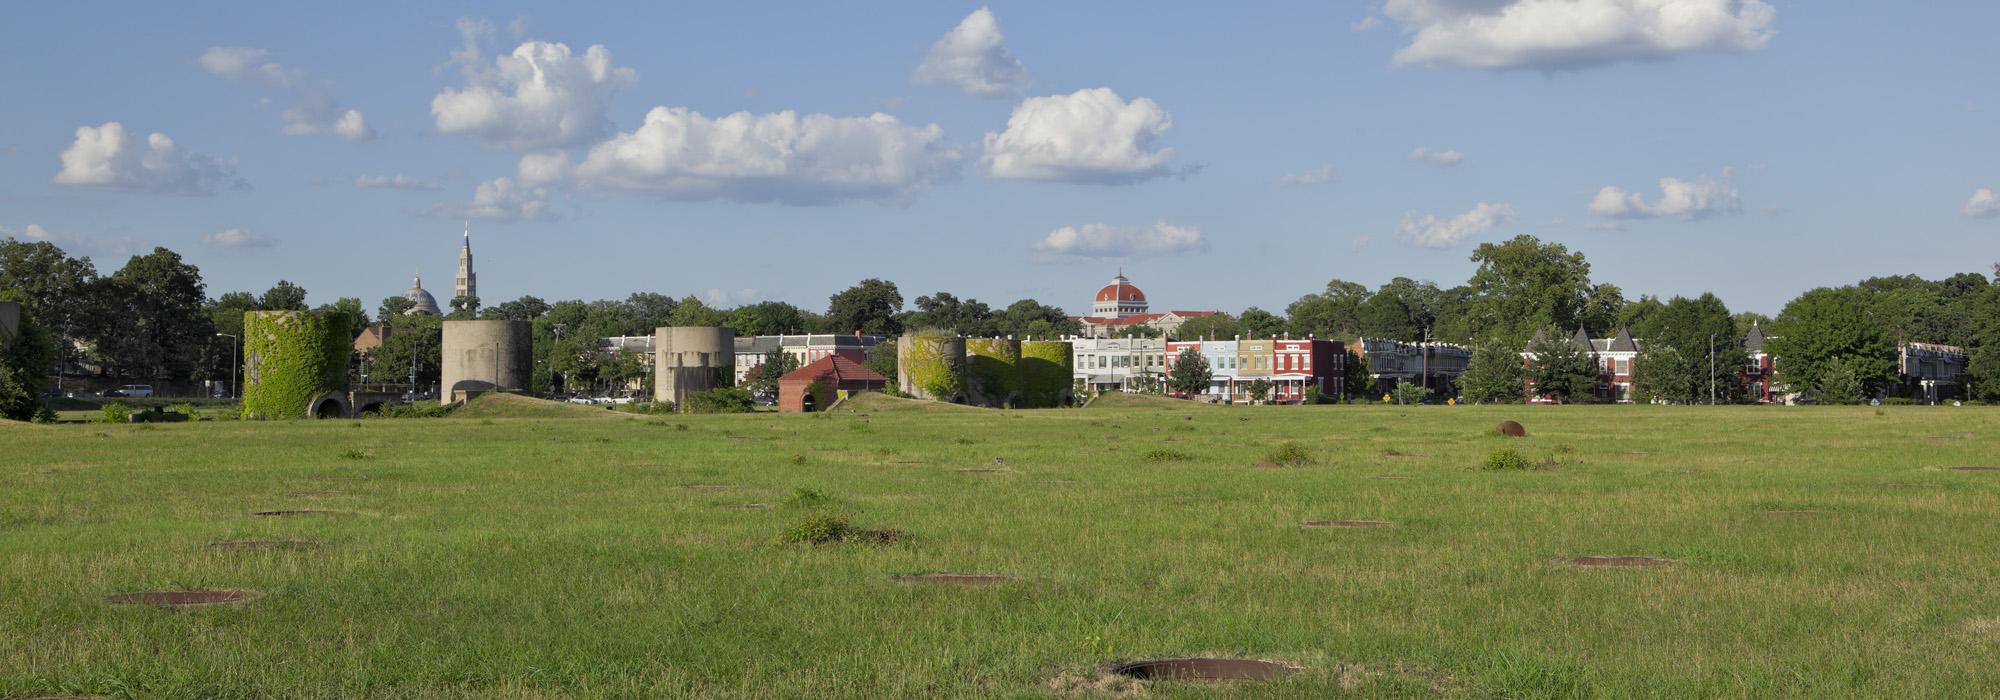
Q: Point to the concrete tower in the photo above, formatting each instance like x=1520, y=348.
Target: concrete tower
x=688, y=360
x=483, y=356
x=467, y=284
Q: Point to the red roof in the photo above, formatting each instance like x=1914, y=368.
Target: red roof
x=1136, y=319
x=1120, y=290
x=837, y=368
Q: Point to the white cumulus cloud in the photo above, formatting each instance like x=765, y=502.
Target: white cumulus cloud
x=970, y=58
x=312, y=108
x=1089, y=135
x=1688, y=199
x=539, y=96
x=1102, y=242
x=393, y=182
x=502, y=200
x=107, y=156
x=782, y=157
x=1316, y=176
x=32, y=232
x=236, y=238
x=1445, y=158
x=1573, y=34
x=1985, y=203
x=1429, y=231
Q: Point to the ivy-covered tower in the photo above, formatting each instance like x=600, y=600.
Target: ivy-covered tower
x=467, y=284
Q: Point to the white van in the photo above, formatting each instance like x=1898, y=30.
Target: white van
x=137, y=391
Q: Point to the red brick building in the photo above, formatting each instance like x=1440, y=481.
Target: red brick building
x=817, y=385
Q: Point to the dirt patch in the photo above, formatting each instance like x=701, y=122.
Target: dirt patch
x=744, y=506
x=1981, y=630
x=298, y=513
x=1511, y=429
x=982, y=471
x=1389, y=477
x=1617, y=561
x=1974, y=469
x=180, y=599
x=1267, y=465
x=274, y=545
x=1345, y=523
x=882, y=537
x=1204, y=669
x=960, y=579
x=710, y=488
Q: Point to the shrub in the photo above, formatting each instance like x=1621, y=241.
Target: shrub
x=1312, y=394
x=1291, y=454
x=822, y=528
x=1409, y=394
x=808, y=498
x=1506, y=459
x=1167, y=455
x=115, y=413
x=1900, y=401
x=721, y=400
x=647, y=408
x=418, y=410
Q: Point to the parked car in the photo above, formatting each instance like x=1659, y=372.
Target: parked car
x=137, y=391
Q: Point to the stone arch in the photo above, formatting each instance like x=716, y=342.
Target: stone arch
x=328, y=406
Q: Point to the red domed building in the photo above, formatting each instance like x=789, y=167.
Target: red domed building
x=1120, y=304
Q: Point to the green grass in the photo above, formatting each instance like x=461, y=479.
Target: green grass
x=546, y=557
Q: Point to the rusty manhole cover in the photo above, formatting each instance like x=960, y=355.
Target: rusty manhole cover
x=1974, y=469
x=1345, y=523
x=1797, y=511
x=297, y=513
x=745, y=506
x=961, y=579
x=1389, y=477
x=981, y=471
x=1205, y=669
x=291, y=545
x=1610, y=560
x=181, y=598
x=1512, y=429
x=708, y=488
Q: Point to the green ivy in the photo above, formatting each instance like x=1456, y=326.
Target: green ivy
x=290, y=357
x=928, y=367
x=1047, y=370
x=995, y=367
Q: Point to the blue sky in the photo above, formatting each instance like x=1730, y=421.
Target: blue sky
x=1757, y=149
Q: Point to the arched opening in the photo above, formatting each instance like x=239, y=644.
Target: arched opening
x=809, y=403
x=328, y=407
x=373, y=408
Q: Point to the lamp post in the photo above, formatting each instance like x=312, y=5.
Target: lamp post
x=1711, y=369
x=235, y=345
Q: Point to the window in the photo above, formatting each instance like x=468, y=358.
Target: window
x=1624, y=365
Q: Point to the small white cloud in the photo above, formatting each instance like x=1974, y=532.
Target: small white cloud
x=1366, y=24
x=393, y=182
x=1688, y=199
x=1444, y=159
x=501, y=200
x=31, y=232
x=1103, y=242
x=1431, y=232
x=106, y=156
x=1091, y=136
x=539, y=96
x=724, y=298
x=1360, y=242
x=1573, y=34
x=971, y=59
x=1984, y=204
x=1316, y=176
x=236, y=238
x=312, y=109
x=680, y=154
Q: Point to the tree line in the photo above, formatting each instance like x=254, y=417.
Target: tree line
x=152, y=319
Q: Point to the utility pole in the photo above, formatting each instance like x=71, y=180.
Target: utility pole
x=235, y=346
x=1711, y=369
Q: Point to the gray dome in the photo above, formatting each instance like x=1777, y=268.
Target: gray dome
x=425, y=303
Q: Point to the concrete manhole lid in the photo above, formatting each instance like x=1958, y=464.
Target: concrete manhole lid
x=962, y=579
x=1974, y=469
x=1204, y=669
x=182, y=598
x=1616, y=560
x=745, y=506
x=286, y=545
x=1345, y=523
x=709, y=488
x=297, y=513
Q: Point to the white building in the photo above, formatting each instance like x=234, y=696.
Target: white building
x=1103, y=364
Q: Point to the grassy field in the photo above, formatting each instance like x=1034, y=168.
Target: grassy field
x=1819, y=552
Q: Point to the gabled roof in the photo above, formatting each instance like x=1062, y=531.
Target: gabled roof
x=1753, y=342
x=837, y=369
x=1623, y=341
x=1582, y=341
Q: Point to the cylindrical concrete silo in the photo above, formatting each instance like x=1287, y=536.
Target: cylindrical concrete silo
x=688, y=360
x=1048, y=376
x=931, y=367
x=993, y=371
x=295, y=364
x=483, y=356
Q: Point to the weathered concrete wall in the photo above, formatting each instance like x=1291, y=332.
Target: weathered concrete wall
x=10, y=320
x=993, y=372
x=931, y=367
x=691, y=359
x=483, y=356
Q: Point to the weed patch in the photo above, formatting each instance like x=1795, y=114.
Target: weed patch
x=1291, y=454
x=1163, y=455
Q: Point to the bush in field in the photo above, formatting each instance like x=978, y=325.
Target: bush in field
x=115, y=413
x=819, y=528
x=1409, y=394
x=1167, y=455
x=1291, y=454
x=721, y=400
x=1506, y=459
